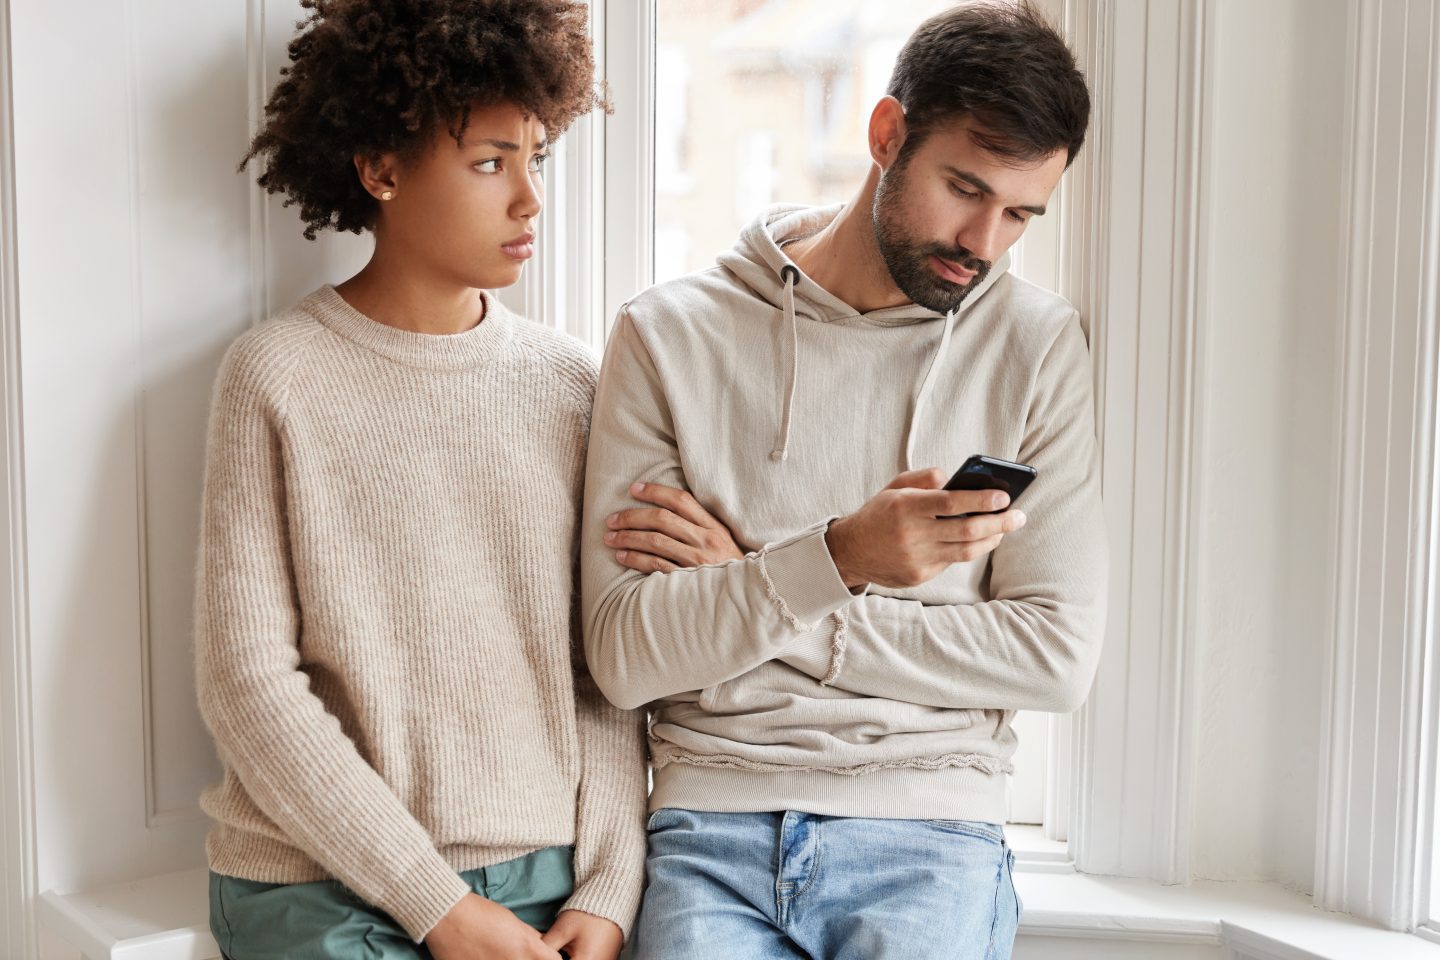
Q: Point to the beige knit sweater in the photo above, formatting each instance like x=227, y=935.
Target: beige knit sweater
x=386, y=642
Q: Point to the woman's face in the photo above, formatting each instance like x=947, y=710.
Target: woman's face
x=465, y=214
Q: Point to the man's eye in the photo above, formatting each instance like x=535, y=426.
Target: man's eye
x=967, y=194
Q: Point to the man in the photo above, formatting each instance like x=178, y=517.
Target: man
x=830, y=728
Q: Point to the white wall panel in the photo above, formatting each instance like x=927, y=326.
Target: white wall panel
x=190, y=239
x=143, y=254
x=1273, y=288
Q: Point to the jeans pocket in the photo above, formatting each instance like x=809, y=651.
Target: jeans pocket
x=978, y=829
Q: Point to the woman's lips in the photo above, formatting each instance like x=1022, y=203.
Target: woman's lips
x=522, y=249
x=952, y=272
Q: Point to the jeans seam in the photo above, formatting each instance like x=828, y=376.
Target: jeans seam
x=995, y=906
x=228, y=947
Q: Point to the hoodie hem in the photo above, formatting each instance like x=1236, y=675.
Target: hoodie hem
x=951, y=793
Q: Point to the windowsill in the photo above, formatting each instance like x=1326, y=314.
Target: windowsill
x=1259, y=920
x=157, y=918
x=1034, y=853
x=164, y=917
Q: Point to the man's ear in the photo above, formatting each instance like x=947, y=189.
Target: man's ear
x=378, y=174
x=887, y=131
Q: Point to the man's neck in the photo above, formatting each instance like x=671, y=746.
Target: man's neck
x=844, y=258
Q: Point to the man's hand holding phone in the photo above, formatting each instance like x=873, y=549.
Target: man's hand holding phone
x=909, y=532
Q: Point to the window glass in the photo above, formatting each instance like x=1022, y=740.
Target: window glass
x=762, y=102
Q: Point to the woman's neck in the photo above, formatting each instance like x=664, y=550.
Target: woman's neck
x=401, y=296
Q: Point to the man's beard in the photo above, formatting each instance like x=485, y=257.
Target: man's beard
x=909, y=261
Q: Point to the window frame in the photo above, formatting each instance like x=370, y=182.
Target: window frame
x=1376, y=850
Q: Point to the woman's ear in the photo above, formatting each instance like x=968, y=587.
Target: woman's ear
x=377, y=175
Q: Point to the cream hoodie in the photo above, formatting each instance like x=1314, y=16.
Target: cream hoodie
x=770, y=685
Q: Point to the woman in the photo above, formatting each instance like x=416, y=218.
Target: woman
x=416, y=762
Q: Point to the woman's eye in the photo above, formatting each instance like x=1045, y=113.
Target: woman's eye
x=489, y=166
x=538, y=161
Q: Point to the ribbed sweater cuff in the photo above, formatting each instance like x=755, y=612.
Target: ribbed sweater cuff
x=614, y=896
x=423, y=895
x=802, y=578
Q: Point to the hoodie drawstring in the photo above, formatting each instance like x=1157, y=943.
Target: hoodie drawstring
x=791, y=275
x=925, y=387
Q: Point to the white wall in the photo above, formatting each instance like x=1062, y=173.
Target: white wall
x=1271, y=289
x=141, y=255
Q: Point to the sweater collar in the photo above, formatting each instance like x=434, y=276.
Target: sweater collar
x=456, y=351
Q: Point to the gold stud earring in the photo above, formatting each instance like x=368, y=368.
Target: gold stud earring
x=387, y=195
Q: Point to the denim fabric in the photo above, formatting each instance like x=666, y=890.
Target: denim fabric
x=789, y=886
x=325, y=921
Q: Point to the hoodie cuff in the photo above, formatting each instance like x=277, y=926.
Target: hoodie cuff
x=801, y=578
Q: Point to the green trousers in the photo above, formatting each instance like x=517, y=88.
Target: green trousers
x=325, y=921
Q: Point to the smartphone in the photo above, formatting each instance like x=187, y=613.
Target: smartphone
x=991, y=473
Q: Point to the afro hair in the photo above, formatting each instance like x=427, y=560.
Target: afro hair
x=368, y=77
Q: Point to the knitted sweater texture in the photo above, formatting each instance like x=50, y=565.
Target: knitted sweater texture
x=386, y=637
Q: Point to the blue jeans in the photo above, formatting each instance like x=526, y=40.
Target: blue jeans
x=797, y=886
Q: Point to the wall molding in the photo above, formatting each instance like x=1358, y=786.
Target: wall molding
x=1134, y=240
x=629, y=187
x=258, y=78
x=1378, y=758
x=563, y=286
x=19, y=936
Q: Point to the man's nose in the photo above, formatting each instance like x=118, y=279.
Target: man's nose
x=982, y=237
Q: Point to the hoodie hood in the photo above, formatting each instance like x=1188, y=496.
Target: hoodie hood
x=760, y=264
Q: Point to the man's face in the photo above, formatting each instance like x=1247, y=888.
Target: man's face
x=947, y=210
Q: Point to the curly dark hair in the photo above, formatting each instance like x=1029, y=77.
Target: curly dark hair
x=368, y=77
x=1004, y=65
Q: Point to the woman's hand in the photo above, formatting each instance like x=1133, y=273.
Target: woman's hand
x=480, y=929
x=675, y=533
x=584, y=937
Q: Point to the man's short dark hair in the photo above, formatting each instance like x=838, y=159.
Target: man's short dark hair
x=1002, y=65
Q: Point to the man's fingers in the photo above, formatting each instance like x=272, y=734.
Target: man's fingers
x=980, y=527
x=659, y=519
x=948, y=503
x=658, y=544
x=972, y=550
x=679, y=502
x=644, y=562
x=931, y=478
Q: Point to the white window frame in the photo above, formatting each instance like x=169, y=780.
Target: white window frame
x=1375, y=850
x=19, y=935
